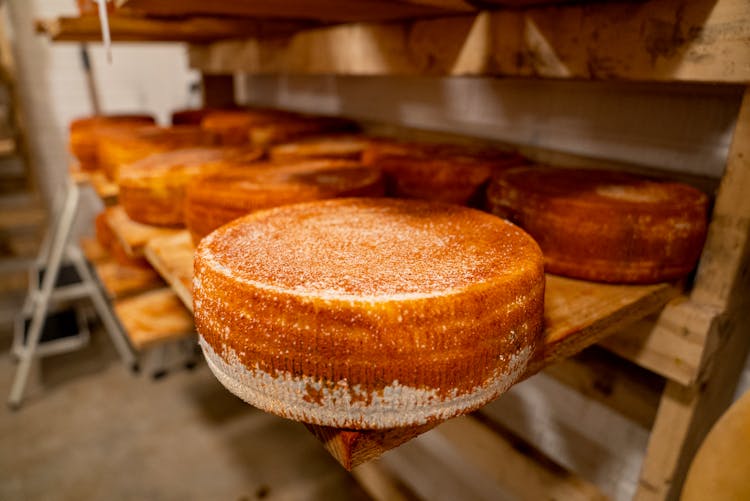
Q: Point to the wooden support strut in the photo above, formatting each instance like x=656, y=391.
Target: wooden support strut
x=686, y=413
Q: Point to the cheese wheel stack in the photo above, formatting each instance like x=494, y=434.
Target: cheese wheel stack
x=85, y=132
x=118, y=148
x=152, y=190
x=368, y=313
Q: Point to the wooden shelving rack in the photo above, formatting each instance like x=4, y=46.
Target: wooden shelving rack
x=697, y=341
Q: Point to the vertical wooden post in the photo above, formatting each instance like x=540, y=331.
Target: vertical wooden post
x=686, y=414
x=218, y=90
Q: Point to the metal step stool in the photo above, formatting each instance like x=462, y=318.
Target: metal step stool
x=60, y=275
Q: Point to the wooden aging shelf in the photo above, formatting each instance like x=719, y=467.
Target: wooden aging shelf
x=577, y=315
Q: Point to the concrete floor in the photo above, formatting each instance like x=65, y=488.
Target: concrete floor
x=89, y=429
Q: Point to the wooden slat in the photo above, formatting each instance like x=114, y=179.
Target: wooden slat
x=623, y=387
x=122, y=281
x=172, y=256
x=324, y=10
x=132, y=235
x=380, y=485
x=142, y=29
x=154, y=317
x=525, y=477
x=722, y=282
x=662, y=40
x=104, y=188
x=93, y=250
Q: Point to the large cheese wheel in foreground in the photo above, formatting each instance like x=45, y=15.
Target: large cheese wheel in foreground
x=603, y=225
x=368, y=313
x=218, y=198
x=152, y=190
x=84, y=135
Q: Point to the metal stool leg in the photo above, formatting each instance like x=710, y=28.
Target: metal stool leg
x=57, y=248
x=111, y=325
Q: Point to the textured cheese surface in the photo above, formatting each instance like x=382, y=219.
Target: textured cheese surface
x=368, y=313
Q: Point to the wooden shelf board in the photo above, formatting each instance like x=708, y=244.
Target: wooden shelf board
x=93, y=250
x=323, y=10
x=104, y=188
x=122, y=281
x=577, y=315
x=153, y=318
x=132, y=235
x=172, y=257
x=143, y=29
x=653, y=40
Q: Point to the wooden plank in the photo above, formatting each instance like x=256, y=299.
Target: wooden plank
x=623, y=387
x=653, y=40
x=671, y=344
x=106, y=190
x=524, y=476
x=122, y=281
x=143, y=29
x=132, y=235
x=686, y=414
x=379, y=485
x=172, y=257
x=325, y=10
x=578, y=314
x=154, y=317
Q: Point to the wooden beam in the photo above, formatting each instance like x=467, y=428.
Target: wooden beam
x=323, y=10
x=172, y=257
x=686, y=414
x=526, y=476
x=143, y=29
x=623, y=387
x=662, y=40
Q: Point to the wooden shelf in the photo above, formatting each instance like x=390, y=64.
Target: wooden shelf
x=577, y=315
x=653, y=40
x=104, y=188
x=143, y=29
x=323, y=10
x=172, y=257
x=132, y=235
x=153, y=318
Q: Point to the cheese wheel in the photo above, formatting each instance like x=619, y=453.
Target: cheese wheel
x=109, y=241
x=368, y=313
x=119, y=148
x=216, y=199
x=440, y=172
x=603, y=225
x=232, y=127
x=280, y=131
x=191, y=116
x=152, y=190
x=343, y=146
x=84, y=135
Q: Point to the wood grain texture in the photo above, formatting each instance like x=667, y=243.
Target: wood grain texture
x=132, y=235
x=524, y=476
x=142, y=29
x=172, y=257
x=123, y=281
x=686, y=414
x=323, y=10
x=662, y=40
x=154, y=317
